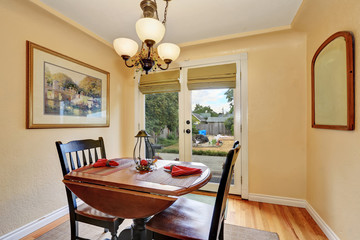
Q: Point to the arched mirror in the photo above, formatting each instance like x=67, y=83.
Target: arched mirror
x=332, y=72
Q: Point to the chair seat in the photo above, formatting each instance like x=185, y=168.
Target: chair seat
x=91, y=212
x=185, y=219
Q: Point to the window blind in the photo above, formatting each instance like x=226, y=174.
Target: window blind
x=219, y=76
x=160, y=82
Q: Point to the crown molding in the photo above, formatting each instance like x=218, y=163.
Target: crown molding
x=71, y=22
x=236, y=35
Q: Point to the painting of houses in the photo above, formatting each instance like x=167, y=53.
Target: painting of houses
x=70, y=93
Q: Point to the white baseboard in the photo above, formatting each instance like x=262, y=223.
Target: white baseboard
x=294, y=202
x=322, y=224
x=37, y=224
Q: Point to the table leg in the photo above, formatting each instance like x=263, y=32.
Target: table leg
x=125, y=234
x=138, y=229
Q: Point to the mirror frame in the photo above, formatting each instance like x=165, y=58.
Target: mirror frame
x=349, y=78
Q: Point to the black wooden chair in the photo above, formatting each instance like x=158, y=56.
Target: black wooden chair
x=76, y=154
x=189, y=219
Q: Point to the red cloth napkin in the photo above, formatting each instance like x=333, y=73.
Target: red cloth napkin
x=182, y=170
x=105, y=163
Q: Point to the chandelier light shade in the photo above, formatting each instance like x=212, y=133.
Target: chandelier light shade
x=125, y=47
x=168, y=51
x=150, y=31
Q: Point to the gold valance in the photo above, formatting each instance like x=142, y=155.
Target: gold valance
x=160, y=82
x=219, y=76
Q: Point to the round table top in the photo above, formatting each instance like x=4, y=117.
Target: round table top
x=120, y=192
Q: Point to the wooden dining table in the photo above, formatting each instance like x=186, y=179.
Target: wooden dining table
x=124, y=192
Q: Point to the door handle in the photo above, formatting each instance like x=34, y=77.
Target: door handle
x=188, y=131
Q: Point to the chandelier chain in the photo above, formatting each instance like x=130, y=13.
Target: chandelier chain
x=157, y=14
x=165, y=12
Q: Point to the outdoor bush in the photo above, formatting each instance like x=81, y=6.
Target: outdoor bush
x=194, y=129
x=165, y=142
x=196, y=152
x=168, y=150
x=209, y=153
x=229, y=124
x=171, y=136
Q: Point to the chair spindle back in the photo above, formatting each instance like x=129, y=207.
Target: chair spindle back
x=84, y=151
x=217, y=222
x=87, y=148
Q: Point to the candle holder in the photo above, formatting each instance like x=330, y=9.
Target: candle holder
x=145, y=163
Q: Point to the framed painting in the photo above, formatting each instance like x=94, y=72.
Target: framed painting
x=332, y=81
x=63, y=92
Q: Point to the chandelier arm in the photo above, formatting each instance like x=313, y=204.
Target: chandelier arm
x=129, y=66
x=167, y=66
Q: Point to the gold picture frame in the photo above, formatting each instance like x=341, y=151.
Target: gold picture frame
x=63, y=92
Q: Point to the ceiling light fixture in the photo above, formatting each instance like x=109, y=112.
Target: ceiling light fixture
x=150, y=31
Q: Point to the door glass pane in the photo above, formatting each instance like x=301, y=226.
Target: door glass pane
x=212, y=128
x=162, y=123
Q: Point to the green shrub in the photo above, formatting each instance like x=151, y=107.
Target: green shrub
x=194, y=129
x=172, y=136
x=229, y=124
x=168, y=150
x=209, y=153
x=195, y=152
x=165, y=142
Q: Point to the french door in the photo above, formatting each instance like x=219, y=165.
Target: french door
x=201, y=124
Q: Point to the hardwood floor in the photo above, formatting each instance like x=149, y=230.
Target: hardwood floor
x=291, y=223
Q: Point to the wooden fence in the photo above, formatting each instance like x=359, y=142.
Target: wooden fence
x=214, y=128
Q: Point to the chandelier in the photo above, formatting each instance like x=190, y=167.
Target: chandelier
x=150, y=31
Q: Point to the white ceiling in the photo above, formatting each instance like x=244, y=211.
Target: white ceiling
x=187, y=20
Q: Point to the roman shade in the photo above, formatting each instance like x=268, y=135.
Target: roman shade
x=160, y=82
x=219, y=76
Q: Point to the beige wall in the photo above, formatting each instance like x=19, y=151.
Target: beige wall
x=277, y=119
x=286, y=156
x=277, y=108
x=333, y=157
x=30, y=174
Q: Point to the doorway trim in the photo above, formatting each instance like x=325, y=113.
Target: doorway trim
x=243, y=57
